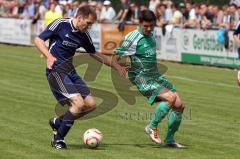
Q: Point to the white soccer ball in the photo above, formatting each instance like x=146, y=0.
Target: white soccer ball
x=92, y=137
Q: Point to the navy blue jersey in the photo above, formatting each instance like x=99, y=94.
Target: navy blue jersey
x=64, y=39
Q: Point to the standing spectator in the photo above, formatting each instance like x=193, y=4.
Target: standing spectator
x=143, y=7
x=108, y=13
x=51, y=14
x=218, y=16
x=161, y=15
x=236, y=2
x=153, y=4
x=233, y=14
x=177, y=15
x=99, y=9
x=207, y=16
x=134, y=11
x=192, y=18
x=73, y=8
x=124, y=11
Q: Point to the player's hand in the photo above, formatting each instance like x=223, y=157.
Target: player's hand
x=50, y=61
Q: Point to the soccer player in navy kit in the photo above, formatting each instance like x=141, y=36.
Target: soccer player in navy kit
x=65, y=36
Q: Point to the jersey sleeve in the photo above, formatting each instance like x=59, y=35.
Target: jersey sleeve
x=88, y=44
x=51, y=30
x=129, y=44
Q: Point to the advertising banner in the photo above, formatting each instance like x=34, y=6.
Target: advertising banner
x=15, y=31
x=112, y=38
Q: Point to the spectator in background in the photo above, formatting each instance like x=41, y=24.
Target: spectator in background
x=73, y=8
x=218, y=16
x=192, y=20
x=168, y=12
x=153, y=4
x=161, y=15
x=143, y=7
x=207, y=16
x=51, y=14
x=134, y=12
x=177, y=15
x=234, y=15
x=184, y=12
x=236, y=2
x=1, y=7
x=99, y=9
x=123, y=14
x=108, y=13
x=225, y=21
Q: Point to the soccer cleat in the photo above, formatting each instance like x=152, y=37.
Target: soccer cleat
x=174, y=145
x=58, y=144
x=152, y=133
x=52, y=124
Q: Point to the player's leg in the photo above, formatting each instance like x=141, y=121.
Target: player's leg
x=64, y=90
x=174, y=121
x=167, y=100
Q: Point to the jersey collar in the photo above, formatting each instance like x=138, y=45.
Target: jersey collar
x=73, y=28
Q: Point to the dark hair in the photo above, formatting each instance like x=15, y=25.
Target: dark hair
x=147, y=16
x=85, y=11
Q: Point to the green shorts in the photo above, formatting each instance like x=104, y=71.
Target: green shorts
x=150, y=87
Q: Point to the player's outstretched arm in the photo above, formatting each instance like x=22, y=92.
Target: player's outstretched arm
x=112, y=62
x=40, y=44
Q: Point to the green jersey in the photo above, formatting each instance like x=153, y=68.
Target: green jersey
x=143, y=71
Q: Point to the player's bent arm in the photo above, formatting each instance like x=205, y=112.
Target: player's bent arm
x=40, y=44
x=112, y=62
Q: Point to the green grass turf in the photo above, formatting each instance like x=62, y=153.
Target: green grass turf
x=210, y=129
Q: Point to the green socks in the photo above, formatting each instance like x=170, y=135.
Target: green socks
x=160, y=112
x=174, y=121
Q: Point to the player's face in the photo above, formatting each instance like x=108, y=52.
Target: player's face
x=85, y=23
x=147, y=27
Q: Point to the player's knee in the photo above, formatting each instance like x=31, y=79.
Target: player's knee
x=89, y=103
x=77, y=104
x=171, y=99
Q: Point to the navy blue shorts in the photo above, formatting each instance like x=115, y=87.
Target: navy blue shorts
x=66, y=85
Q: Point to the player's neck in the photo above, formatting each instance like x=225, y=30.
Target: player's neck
x=74, y=23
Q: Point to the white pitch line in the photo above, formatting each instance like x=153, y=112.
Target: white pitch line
x=203, y=82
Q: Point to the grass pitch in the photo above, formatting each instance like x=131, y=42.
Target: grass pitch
x=210, y=128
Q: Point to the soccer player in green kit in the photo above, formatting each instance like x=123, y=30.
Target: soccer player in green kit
x=140, y=46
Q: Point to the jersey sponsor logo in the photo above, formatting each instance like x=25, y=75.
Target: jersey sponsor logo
x=70, y=44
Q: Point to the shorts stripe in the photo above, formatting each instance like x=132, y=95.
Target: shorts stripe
x=60, y=83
